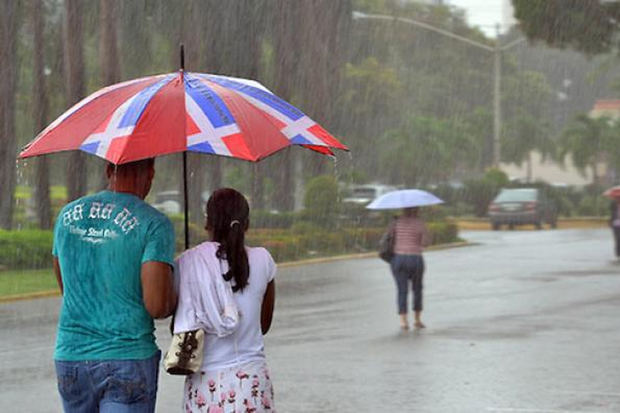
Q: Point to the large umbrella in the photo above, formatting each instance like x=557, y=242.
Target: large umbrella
x=180, y=112
x=404, y=198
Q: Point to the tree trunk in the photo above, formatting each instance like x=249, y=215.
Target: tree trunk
x=9, y=20
x=286, y=54
x=42, y=183
x=528, y=166
x=76, y=169
x=109, y=61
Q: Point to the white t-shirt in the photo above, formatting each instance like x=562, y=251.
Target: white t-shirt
x=246, y=343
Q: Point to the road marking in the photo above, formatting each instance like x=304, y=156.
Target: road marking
x=527, y=410
x=589, y=393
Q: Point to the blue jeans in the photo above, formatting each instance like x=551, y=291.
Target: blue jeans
x=407, y=268
x=108, y=385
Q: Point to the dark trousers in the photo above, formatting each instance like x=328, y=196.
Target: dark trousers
x=617, y=240
x=405, y=269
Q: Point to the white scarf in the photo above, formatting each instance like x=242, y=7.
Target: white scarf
x=205, y=299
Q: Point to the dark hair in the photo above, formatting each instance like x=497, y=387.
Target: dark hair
x=227, y=220
x=131, y=167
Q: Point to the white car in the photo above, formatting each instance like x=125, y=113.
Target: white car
x=364, y=194
x=168, y=202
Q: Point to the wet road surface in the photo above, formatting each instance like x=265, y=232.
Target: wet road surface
x=524, y=321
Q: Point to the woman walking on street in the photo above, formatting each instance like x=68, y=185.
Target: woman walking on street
x=234, y=376
x=410, y=238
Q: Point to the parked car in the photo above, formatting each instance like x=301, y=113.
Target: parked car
x=363, y=194
x=168, y=202
x=522, y=206
x=171, y=202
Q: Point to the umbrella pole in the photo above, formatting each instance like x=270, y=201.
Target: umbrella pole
x=185, y=203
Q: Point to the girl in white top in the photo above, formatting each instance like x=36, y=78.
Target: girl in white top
x=234, y=375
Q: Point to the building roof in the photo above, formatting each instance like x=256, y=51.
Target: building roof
x=606, y=107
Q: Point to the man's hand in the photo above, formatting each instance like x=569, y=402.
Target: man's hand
x=158, y=289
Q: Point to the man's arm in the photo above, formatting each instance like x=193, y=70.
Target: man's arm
x=158, y=289
x=58, y=275
x=266, y=313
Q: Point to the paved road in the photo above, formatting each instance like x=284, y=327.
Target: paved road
x=525, y=321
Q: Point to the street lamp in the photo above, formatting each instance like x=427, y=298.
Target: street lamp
x=497, y=66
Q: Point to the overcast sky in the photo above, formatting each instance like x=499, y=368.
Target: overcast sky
x=484, y=13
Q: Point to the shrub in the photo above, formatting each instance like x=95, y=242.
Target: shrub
x=267, y=219
x=26, y=249
x=479, y=193
x=593, y=205
x=321, y=200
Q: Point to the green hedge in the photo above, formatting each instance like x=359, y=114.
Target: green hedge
x=25, y=249
x=31, y=249
x=303, y=241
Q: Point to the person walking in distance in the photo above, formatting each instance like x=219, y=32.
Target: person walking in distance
x=113, y=258
x=614, y=223
x=407, y=265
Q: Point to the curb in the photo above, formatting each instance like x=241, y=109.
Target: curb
x=288, y=264
x=28, y=296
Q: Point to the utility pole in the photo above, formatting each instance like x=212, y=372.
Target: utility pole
x=497, y=101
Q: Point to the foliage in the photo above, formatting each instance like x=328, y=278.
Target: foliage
x=25, y=249
x=590, y=26
x=480, y=192
x=321, y=201
x=425, y=148
x=593, y=206
x=305, y=241
x=587, y=140
x=267, y=219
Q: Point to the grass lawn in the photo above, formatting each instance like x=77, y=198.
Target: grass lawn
x=16, y=282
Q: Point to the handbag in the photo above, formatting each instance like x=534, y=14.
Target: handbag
x=386, y=246
x=185, y=354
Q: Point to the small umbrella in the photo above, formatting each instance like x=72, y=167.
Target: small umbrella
x=613, y=192
x=404, y=198
x=180, y=112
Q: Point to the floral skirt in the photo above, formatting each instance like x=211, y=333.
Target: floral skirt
x=243, y=389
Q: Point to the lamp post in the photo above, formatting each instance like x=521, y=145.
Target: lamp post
x=497, y=66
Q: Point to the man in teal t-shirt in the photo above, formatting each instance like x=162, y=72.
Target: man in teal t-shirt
x=113, y=255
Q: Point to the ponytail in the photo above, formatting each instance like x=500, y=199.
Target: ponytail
x=227, y=220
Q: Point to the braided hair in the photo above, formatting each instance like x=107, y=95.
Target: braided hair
x=227, y=220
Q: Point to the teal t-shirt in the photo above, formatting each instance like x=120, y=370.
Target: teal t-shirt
x=101, y=241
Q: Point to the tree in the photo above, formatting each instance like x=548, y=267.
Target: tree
x=9, y=26
x=287, y=43
x=522, y=135
x=109, y=59
x=590, y=26
x=425, y=150
x=42, y=189
x=75, y=84
x=585, y=139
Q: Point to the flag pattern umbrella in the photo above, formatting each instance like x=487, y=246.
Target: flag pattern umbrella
x=179, y=112
x=404, y=198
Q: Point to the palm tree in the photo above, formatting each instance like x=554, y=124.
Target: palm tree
x=522, y=135
x=586, y=139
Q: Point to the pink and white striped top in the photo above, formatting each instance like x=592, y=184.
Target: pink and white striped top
x=411, y=236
